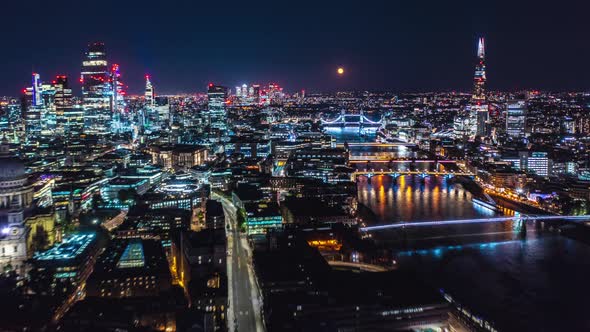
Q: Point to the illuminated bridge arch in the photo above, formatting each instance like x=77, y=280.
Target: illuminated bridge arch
x=351, y=119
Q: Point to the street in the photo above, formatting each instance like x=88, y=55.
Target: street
x=244, y=305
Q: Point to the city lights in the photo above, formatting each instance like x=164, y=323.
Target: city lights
x=294, y=167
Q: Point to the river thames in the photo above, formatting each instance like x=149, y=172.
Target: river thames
x=536, y=282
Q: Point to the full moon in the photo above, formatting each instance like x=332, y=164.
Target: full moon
x=340, y=71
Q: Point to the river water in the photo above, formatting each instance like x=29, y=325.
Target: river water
x=539, y=283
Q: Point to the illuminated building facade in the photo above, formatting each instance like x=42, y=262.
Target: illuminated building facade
x=130, y=268
x=70, y=119
x=262, y=216
x=149, y=92
x=117, y=98
x=216, y=98
x=479, y=113
x=538, y=163
x=178, y=156
x=155, y=224
x=249, y=147
x=110, y=191
x=516, y=118
x=317, y=163
x=67, y=264
x=179, y=191
x=96, y=90
x=16, y=198
x=33, y=107
x=10, y=115
x=479, y=80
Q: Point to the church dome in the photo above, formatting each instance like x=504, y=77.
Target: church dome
x=11, y=168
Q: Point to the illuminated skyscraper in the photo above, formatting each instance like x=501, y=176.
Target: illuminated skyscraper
x=96, y=91
x=117, y=99
x=479, y=112
x=36, y=91
x=479, y=80
x=33, y=107
x=516, y=118
x=117, y=87
x=149, y=91
x=70, y=120
x=216, y=97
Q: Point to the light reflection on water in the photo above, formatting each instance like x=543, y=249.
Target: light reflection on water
x=536, y=284
x=351, y=134
x=412, y=198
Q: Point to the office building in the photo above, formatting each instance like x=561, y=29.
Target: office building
x=214, y=215
x=538, y=163
x=33, y=107
x=261, y=217
x=130, y=268
x=516, y=118
x=64, y=267
x=149, y=94
x=96, y=91
x=69, y=117
x=178, y=156
x=216, y=98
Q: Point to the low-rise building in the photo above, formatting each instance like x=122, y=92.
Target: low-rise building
x=262, y=216
x=178, y=156
x=130, y=268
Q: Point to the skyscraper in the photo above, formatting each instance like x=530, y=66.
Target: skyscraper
x=33, y=107
x=117, y=87
x=36, y=91
x=70, y=120
x=516, y=118
x=479, y=80
x=479, y=112
x=96, y=90
x=149, y=91
x=216, y=97
x=244, y=90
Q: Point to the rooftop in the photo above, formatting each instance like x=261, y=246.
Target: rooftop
x=132, y=256
x=71, y=247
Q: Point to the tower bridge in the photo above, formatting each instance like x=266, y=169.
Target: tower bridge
x=352, y=120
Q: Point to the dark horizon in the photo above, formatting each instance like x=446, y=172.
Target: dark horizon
x=383, y=46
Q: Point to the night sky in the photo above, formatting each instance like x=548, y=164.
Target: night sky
x=393, y=45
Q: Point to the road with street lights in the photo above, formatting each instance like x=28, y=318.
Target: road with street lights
x=245, y=304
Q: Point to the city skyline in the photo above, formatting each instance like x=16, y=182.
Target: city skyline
x=294, y=166
x=402, y=48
